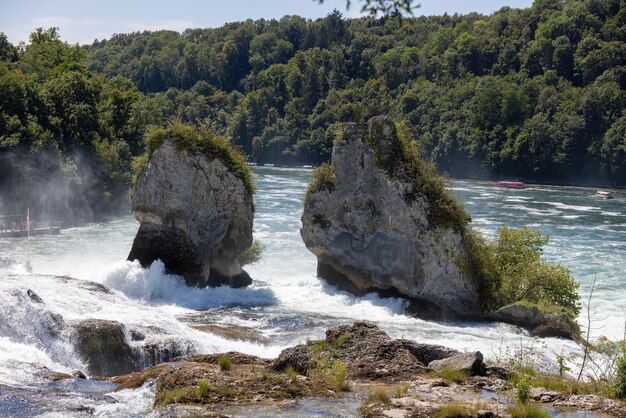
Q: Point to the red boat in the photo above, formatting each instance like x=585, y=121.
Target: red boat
x=511, y=184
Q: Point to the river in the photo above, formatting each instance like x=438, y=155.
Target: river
x=287, y=303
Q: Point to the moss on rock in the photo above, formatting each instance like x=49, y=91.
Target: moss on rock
x=323, y=178
x=399, y=156
x=198, y=139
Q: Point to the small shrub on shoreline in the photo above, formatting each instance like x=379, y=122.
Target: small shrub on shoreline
x=523, y=390
x=332, y=372
x=510, y=269
x=527, y=411
x=225, y=364
x=619, y=386
x=203, y=387
x=379, y=395
x=453, y=375
x=293, y=375
x=453, y=411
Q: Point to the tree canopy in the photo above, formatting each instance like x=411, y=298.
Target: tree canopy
x=536, y=93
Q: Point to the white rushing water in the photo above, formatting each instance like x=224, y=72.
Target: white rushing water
x=287, y=303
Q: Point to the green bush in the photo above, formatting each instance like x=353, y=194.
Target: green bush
x=332, y=372
x=453, y=375
x=523, y=390
x=203, y=387
x=511, y=269
x=619, y=385
x=293, y=375
x=402, y=390
x=224, y=363
x=323, y=179
x=252, y=255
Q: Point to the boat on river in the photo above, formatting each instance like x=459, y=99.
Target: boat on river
x=14, y=226
x=603, y=194
x=511, y=184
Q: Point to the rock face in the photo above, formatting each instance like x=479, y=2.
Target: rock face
x=196, y=216
x=102, y=345
x=371, y=232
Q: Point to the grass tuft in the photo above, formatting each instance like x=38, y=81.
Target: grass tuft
x=203, y=387
x=402, y=390
x=453, y=411
x=225, y=364
x=527, y=411
x=379, y=395
x=453, y=375
x=293, y=375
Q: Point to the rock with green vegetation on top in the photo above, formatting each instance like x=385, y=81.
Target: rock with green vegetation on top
x=193, y=200
x=380, y=219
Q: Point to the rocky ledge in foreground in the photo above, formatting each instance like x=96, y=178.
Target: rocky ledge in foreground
x=379, y=220
x=417, y=380
x=195, y=211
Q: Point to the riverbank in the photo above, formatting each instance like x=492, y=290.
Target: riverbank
x=390, y=377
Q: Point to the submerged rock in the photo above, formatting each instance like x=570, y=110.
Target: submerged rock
x=195, y=215
x=375, y=225
x=102, y=345
x=537, y=321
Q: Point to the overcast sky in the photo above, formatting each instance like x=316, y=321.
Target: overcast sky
x=82, y=21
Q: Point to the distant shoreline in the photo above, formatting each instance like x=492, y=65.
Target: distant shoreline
x=529, y=182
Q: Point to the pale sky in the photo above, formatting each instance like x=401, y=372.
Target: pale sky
x=82, y=21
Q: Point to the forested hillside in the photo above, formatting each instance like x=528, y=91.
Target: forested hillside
x=67, y=136
x=537, y=94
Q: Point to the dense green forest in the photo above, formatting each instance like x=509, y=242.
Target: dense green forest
x=537, y=93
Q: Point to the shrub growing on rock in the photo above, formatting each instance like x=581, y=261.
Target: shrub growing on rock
x=323, y=179
x=515, y=271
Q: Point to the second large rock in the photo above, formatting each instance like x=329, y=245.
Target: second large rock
x=378, y=221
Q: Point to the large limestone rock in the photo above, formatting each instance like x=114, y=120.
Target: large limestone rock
x=196, y=216
x=372, y=231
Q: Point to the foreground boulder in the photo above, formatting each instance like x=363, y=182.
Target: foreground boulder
x=470, y=363
x=379, y=220
x=102, y=345
x=195, y=211
x=367, y=352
